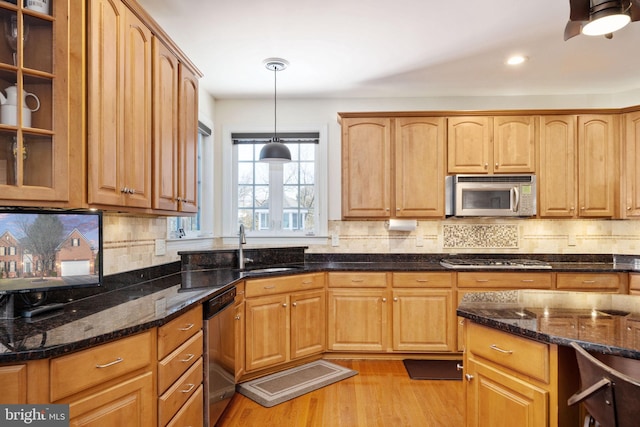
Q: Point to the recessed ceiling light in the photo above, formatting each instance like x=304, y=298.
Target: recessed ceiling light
x=516, y=59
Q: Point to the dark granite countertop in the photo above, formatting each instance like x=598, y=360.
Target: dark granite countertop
x=604, y=323
x=99, y=317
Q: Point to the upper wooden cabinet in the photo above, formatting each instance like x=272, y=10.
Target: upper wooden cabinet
x=631, y=150
x=502, y=144
x=578, y=167
x=175, y=111
x=557, y=179
x=40, y=162
x=393, y=167
x=119, y=104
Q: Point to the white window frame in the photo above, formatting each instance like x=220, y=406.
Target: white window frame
x=202, y=238
x=230, y=185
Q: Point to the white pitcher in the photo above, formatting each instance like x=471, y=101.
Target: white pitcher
x=9, y=107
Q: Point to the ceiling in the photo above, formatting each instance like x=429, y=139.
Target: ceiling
x=400, y=48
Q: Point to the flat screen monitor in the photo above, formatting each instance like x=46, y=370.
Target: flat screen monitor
x=45, y=250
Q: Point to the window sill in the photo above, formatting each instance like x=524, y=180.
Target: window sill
x=282, y=240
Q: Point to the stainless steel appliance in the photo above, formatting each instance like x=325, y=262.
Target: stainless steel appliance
x=219, y=348
x=494, y=263
x=491, y=195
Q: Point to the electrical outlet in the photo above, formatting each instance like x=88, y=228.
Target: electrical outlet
x=419, y=240
x=161, y=247
x=335, y=239
x=571, y=240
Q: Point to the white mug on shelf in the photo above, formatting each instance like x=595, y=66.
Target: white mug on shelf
x=41, y=6
x=9, y=107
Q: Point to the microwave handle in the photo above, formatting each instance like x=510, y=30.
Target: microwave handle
x=515, y=199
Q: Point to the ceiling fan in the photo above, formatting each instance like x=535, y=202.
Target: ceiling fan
x=592, y=17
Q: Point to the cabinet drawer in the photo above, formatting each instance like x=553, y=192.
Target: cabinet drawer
x=422, y=280
x=479, y=279
x=283, y=284
x=357, y=280
x=520, y=354
x=176, y=396
x=174, y=333
x=588, y=281
x=175, y=364
x=192, y=413
x=79, y=371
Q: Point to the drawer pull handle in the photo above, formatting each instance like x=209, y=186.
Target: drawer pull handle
x=482, y=280
x=527, y=280
x=115, y=362
x=307, y=282
x=496, y=348
x=188, y=389
x=186, y=328
x=270, y=287
x=357, y=280
x=589, y=282
x=469, y=377
x=422, y=280
x=190, y=356
x=459, y=367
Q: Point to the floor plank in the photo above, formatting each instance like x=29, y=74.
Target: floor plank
x=382, y=394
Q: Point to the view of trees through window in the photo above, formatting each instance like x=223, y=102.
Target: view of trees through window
x=277, y=196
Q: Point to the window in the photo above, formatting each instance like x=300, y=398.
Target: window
x=192, y=226
x=75, y=242
x=277, y=200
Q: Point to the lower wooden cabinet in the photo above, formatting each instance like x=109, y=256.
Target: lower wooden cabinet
x=513, y=381
x=285, y=319
x=13, y=379
x=357, y=320
x=594, y=282
x=127, y=403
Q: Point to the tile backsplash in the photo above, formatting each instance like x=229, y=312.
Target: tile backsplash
x=129, y=241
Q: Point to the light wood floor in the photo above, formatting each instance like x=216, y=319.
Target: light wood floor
x=382, y=394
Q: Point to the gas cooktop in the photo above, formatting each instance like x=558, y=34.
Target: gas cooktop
x=493, y=263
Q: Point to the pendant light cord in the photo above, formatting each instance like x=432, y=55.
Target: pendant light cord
x=275, y=104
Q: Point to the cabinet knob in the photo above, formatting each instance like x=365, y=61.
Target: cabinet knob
x=497, y=165
x=628, y=208
x=459, y=367
x=284, y=305
x=395, y=299
x=582, y=208
x=384, y=300
x=124, y=190
x=469, y=377
x=237, y=317
x=294, y=304
x=486, y=165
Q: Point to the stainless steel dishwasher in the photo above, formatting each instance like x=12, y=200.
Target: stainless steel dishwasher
x=219, y=348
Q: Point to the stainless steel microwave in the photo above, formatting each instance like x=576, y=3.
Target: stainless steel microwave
x=491, y=195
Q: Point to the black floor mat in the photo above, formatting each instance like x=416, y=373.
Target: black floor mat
x=433, y=369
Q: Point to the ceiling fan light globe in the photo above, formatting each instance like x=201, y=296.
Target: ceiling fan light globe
x=606, y=24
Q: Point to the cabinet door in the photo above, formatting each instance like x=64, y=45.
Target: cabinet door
x=13, y=380
x=514, y=146
x=366, y=174
x=266, y=331
x=632, y=172
x=469, y=148
x=188, y=141
x=497, y=399
x=596, y=165
x=136, y=145
x=308, y=323
x=357, y=319
x=129, y=403
x=165, y=127
x=557, y=175
x=105, y=92
x=239, y=339
x=423, y=320
x=419, y=167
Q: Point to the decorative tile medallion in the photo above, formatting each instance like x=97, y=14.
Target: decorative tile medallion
x=470, y=236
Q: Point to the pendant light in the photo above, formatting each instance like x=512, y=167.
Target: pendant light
x=275, y=151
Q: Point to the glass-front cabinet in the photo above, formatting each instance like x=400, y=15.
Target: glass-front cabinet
x=34, y=99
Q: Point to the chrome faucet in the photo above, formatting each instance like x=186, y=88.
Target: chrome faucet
x=242, y=241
